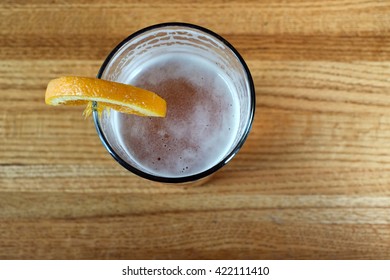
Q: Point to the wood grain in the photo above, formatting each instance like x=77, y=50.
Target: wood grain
x=311, y=182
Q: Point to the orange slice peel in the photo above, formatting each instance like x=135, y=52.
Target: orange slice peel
x=112, y=95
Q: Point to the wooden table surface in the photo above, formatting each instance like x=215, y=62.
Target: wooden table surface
x=311, y=182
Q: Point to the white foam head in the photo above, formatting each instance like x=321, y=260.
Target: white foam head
x=200, y=134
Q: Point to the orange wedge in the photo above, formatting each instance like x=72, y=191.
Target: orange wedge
x=120, y=97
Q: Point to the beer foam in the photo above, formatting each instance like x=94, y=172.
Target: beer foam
x=201, y=123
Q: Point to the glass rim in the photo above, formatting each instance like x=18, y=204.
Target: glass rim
x=215, y=167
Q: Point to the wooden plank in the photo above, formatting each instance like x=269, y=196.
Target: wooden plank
x=347, y=17
x=226, y=234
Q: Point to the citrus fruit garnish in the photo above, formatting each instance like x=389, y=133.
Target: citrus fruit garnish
x=120, y=97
